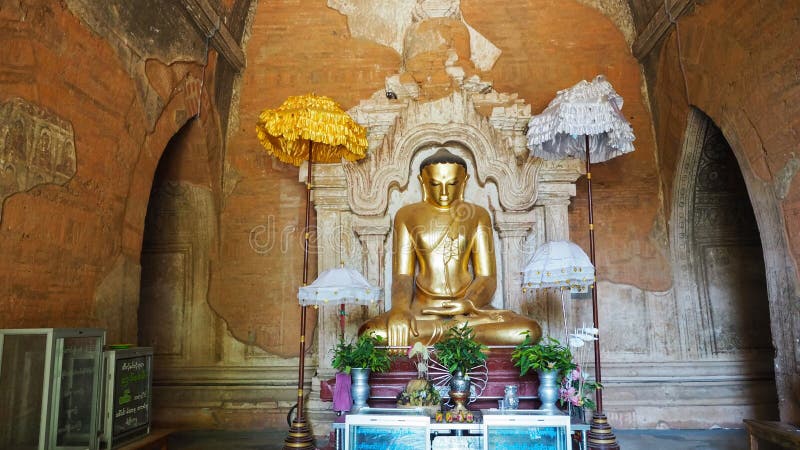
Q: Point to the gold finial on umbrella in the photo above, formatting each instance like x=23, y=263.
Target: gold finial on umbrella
x=315, y=129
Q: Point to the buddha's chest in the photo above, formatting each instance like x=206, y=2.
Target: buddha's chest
x=442, y=236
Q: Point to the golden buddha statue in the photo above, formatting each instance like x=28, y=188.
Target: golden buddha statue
x=443, y=266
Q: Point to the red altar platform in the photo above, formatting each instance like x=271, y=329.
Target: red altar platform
x=384, y=387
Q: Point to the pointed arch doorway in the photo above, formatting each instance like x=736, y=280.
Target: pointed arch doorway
x=720, y=278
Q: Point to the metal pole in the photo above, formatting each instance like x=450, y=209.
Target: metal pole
x=600, y=435
x=300, y=437
x=595, y=315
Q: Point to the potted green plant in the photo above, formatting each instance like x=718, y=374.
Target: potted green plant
x=550, y=359
x=459, y=352
x=367, y=354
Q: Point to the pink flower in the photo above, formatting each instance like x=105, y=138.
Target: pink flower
x=569, y=394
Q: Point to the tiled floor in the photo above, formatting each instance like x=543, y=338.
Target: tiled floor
x=628, y=440
x=682, y=439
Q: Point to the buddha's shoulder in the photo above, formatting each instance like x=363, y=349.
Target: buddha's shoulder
x=472, y=207
x=474, y=210
x=411, y=210
x=421, y=209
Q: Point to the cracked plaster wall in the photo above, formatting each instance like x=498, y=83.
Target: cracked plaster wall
x=750, y=103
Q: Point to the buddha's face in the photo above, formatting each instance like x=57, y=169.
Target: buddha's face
x=443, y=183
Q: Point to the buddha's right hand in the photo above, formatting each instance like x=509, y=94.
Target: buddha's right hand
x=399, y=326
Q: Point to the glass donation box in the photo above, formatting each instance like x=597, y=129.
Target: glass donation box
x=521, y=429
x=50, y=382
x=386, y=431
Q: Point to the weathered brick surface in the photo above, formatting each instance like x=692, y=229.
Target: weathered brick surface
x=58, y=244
x=546, y=47
x=739, y=77
x=549, y=46
x=292, y=51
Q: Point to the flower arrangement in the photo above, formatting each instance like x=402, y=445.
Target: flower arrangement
x=575, y=389
x=547, y=354
x=459, y=351
x=575, y=386
x=367, y=352
x=420, y=352
x=419, y=392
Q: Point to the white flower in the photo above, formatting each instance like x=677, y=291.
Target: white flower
x=575, y=341
x=419, y=350
x=585, y=337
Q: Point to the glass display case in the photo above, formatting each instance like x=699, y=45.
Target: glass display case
x=50, y=388
x=521, y=429
x=127, y=395
x=389, y=430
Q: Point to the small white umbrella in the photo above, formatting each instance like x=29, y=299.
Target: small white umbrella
x=339, y=286
x=559, y=264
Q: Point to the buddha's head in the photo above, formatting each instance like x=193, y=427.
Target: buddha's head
x=443, y=176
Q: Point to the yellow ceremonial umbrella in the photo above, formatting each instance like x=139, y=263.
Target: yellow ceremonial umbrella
x=315, y=129
x=311, y=127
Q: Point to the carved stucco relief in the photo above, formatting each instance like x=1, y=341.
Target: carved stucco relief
x=398, y=131
x=36, y=147
x=356, y=201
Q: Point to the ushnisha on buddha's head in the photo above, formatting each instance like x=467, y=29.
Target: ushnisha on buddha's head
x=443, y=176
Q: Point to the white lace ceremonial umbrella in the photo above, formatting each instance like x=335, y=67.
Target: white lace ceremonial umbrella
x=588, y=110
x=559, y=264
x=586, y=122
x=339, y=286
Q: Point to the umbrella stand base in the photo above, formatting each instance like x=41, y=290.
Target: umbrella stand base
x=300, y=437
x=600, y=435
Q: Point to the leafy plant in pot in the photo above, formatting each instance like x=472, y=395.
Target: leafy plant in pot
x=550, y=359
x=367, y=354
x=459, y=352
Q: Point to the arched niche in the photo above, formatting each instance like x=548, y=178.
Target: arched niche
x=496, y=153
x=527, y=198
x=721, y=285
x=717, y=245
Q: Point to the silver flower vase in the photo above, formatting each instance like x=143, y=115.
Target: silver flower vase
x=359, y=389
x=548, y=390
x=459, y=391
x=511, y=397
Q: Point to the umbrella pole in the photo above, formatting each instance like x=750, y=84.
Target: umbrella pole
x=300, y=436
x=595, y=315
x=600, y=435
